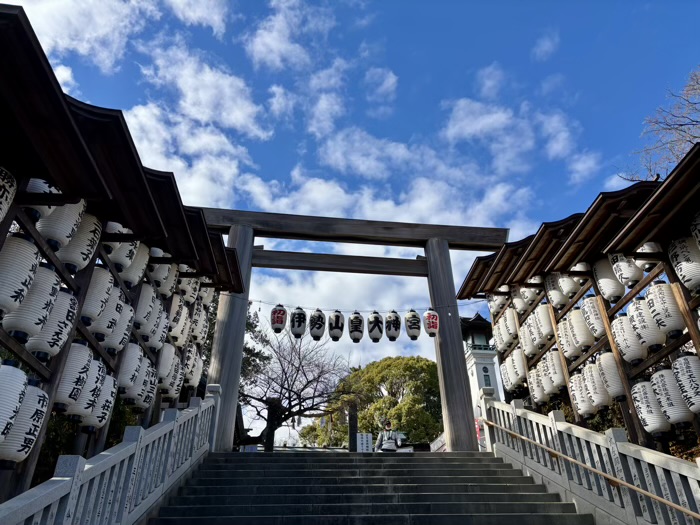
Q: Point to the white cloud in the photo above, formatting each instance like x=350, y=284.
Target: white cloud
x=209, y=13
x=556, y=128
x=545, y=46
x=281, y=102
x=331, y=78
x=489, y=80
x=381, y=84
x=326, y=110
x=582, y=166
x=64, y=75
x=551, y=83
x=471, y=119
x=273, y=43
x=207, y=93
x=616, y=182
x=97, y=30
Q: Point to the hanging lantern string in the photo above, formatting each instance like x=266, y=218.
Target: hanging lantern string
x=459, y=304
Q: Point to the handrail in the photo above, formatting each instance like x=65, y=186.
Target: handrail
x=611, y=479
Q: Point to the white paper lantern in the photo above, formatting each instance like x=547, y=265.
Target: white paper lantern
x=145, y=309
x=664, y=309
x=203, y=290
x=537, y=392
x=595, y=386
x=184, y=284
x=33, y=314
x=97, y=297
x=544, y=321
x=412, y=323
x=177, y=316
x=686, y=370
x=498, y=339
x=130, y=367
x=87, y=400
x=392, y=325
x=134, y=273
x=110, y=246
x=124, y=254
x=508, y=339
x=158, y=272
x=203, y=329
x=497, y=302
x=13, y=385
x=684, y=254
x=103, y=408
x=592, y=316
x=169, y=382
x=75, y=375
x=644, y=325
x=36, y=211
x=670, y=398
x=278, y=318
x=581, y=267
x=556, y=369
x=627, y=341
x=58, y=327
x=610, y=375
x=19, y=261
x=579, y=399
x=510, y=323
x=121, y=334
x=431, y=322
x=519, y=303
x=646, y=264
x=568, y=285
x=182, y=337
x=165, y=365
x=610, y=288
x=138, y=389
x=197, y=376
x=625, y=270
x=513, y=378
x=532, y=290
x=146, y=398
x=535, y=331
x=544, y=379
x=176, y=382
x=356, y=326
x=193, y=291
x=556, y=297
x=519, y=365
x=22, y=436
x=581, y=336
x=375, y=326
x=198, y=316
x=336, y=325
x=63, y=224
x=505, y=378
x=208, y=297
x=8, y=189
x=297, y=322
x=106, y=322
x=648, y=409
x=526, y=339
x=167, y=286
x=570, y=350
x=190, y=353
x=156, y=321
x=79, y=251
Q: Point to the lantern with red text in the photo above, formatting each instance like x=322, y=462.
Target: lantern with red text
x=278, y=318
x=431, y=322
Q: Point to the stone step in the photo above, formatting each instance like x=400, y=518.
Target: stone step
x=512, y=477
x=510, y=487
x=409, y=497
x=456, y=470
x=242, y=459
x=208, y=465
x=321, y=455
x=386, y=519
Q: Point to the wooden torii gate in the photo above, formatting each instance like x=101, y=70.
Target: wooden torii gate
x=242, y=228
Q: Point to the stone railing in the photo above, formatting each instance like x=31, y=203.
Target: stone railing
x=667, y=477
x=121, y=485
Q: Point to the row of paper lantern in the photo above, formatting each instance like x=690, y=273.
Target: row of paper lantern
x=376, y=324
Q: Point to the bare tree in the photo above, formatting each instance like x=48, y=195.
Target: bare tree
x=300, y=379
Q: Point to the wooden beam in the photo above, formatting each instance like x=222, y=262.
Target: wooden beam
x=326, y=262
x=302, y=227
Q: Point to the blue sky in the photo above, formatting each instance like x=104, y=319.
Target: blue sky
x=482, y=113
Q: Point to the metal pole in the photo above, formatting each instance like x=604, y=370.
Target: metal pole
x=457, y=409
x=227, y=347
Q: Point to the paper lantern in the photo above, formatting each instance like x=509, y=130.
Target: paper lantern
x=106, y=322
x=121, y=334
x=595, y=386
x=507, y=336
x=581, y=336
x=37, y=211
x=498, y=338
x=627, y=341
x=513, y=378
x=529, y=294
x=208, y=297
x=176, y=382
x=375, y=326
x=610, y=375
x=392, y=325
x=556, y=369
x=670, y=398
x=544, y=379
x=505, y=378
x=519, y=365
x=192, y=293
x=145, y=308
x=646, y=264
x=103, y=408
x=412, y=323
x=130, y=367
x=648, y=409
x=197, y=375
x=664, y=309
x=167, y=287
x=198, y=316
x=184, y=284
x=610, y=288
x=181, y=336
x=431, y=322
x=526, y=338
x=124, y=254
x=278, y=318
x=22, y=435
x=625, y=270
x=165, y=365
x=177, y=315
x=8, y=189
x=138, y=389
x=75, y=375
x=203, y=328
x=19, y=261
x=535, y=331
x=159, y=272
x=581, y=267
x=164, y=385
x=160, y=333
x=644, y=325
x=79, y=251
x=297, y=322
x=510, y=323
x=592, y=316
x=544, y=321
x=148, y=394
x=87, y=400
x=497, y=302
x=204, y=290
x=153, y=323
x=110, y=246
x=63, y=224
x=537, y=387
x=694, y=229
x=97, y=297
x=190, y=353
x=13, y=385
x=134, y=273
x=568, y=285
x=556, y=297
x=356, y=326
x=336, y=325
x=686, y=370
x=568, y=347
x=579, y=399
x=684, y=254
x=58, y=327
x=32, y=315
x=519, y=303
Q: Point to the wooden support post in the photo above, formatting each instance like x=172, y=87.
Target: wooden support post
x=457, y=409
x=227, y=348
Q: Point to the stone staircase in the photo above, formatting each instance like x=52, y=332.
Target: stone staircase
x=309, y=488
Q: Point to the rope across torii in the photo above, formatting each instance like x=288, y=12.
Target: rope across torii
x=242, y=228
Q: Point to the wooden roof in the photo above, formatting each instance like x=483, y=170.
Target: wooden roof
x=476, y=274
x=667, y=213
